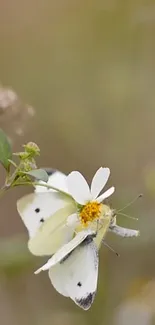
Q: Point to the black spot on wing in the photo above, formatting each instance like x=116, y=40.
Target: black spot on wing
x=86, y=302
x=37, y=210
x=79, y=284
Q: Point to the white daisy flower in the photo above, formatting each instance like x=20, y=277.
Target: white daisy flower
x=79, y=189
x=89, y=201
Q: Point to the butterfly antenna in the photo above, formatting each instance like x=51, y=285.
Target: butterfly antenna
x=130, y=203
x=111, y=249
x=126, y=215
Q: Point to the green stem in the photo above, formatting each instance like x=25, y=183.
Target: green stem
x=8, y=186
x=44, y=185
x=51, y=187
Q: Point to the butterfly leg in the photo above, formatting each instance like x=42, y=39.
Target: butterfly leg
x=123, y=232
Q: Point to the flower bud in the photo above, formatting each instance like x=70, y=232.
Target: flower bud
x=32, y=149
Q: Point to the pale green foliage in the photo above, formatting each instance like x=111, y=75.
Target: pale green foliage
x=24, y=169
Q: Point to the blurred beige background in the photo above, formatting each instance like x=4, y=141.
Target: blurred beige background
x=88, y=69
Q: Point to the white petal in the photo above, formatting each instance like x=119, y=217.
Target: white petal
x=99, y=181
x=105, y=194
x=58, y=180
x=78, y=187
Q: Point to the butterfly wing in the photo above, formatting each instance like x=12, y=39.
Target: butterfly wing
x=35, y=209
x=45, y=215
x=66, y=249
x=56, y=179
x=76, y=275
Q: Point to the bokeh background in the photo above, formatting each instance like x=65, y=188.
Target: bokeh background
x=83, y=73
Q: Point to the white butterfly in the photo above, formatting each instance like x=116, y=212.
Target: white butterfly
x=73, y=269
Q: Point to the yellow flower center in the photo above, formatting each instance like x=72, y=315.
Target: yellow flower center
x=90, y=212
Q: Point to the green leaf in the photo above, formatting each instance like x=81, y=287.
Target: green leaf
x=39, y=174
x=5, y=150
